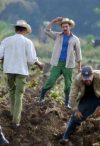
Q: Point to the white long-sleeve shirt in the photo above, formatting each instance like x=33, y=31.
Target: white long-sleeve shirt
x=17, y=52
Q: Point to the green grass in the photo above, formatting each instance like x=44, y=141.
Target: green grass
x=44, y=50
x=91, y=56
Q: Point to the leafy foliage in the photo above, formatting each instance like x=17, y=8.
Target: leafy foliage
x=5, y=30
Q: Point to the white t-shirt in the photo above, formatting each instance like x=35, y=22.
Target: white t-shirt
x=17, y=52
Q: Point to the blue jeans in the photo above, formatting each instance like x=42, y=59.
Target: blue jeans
x=86, y=108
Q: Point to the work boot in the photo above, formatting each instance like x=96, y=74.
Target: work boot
x=63, y=141
x=15, y=126
x=3, y=140
x=41, y=102
x=43, y=92
x=66, y=101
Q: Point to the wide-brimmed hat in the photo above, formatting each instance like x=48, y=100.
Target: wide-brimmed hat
x=23, y=23
x=67, y=20
x=87, y=72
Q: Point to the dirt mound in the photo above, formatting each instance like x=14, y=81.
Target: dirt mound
x=40, y=124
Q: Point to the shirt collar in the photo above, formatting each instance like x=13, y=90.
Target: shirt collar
x=71, y=34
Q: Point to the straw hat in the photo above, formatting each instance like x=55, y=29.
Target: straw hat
x=23, y=23
x=67, y=20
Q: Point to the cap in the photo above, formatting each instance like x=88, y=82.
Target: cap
x=87, y=72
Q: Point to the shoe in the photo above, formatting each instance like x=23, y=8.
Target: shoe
x=63, y=141
x=14, y=126
x=67, y=107
x=3, y=140
x=58, y=136
x=41, y=101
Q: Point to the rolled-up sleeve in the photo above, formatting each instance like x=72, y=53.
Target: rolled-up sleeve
x=78, y=50
x=31, y=53
x=73, y=94
x=50, y=33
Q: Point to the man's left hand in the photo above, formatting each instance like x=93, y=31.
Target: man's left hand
x=41, y=66
x=78, y=114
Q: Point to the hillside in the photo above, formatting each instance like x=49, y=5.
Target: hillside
x=85, y=13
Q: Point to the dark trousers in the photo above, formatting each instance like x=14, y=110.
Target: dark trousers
x=86, y=107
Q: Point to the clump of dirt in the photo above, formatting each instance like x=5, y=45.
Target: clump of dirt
x=40, y=124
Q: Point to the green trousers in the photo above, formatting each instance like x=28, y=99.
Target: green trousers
x=16, y=85
x=55, y=72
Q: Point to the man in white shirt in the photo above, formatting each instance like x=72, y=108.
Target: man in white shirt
x=17, y=53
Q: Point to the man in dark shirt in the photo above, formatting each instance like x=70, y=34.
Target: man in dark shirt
x=86, y=92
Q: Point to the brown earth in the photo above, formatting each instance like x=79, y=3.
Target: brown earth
x=41, y=123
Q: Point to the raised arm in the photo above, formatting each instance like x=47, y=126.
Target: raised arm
x=48, y=29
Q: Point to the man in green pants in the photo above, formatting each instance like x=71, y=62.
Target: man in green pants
x=66, y=51
x=17, y=53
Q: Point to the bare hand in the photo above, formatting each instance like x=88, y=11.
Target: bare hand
x=57, y=20
x=78, y=114
x=41, y=66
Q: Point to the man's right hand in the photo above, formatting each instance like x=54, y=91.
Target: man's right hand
x=57, y=20
x=54, y=21
x=40, y=65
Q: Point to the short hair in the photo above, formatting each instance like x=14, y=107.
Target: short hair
x=20, y=29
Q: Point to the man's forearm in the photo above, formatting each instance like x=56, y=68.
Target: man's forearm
x=37, y=63
x=79, y=66
x=50, y=25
